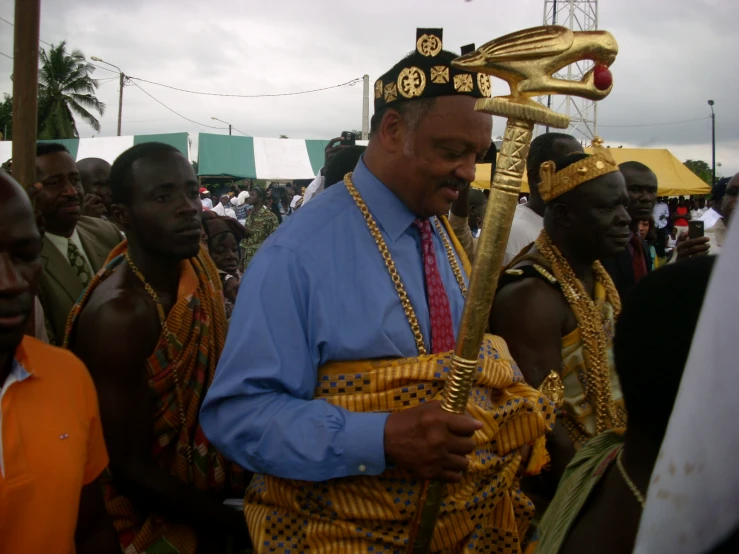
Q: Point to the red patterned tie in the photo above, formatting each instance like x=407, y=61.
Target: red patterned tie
x=442, y=330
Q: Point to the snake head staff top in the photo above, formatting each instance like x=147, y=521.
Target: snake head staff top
x=527, y=60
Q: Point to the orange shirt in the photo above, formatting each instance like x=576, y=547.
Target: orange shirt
x=50, y=447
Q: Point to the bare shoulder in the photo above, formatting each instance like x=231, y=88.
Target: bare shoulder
x=118, y=327
x=526, y=297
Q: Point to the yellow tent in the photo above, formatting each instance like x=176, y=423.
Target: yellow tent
x=673, y=177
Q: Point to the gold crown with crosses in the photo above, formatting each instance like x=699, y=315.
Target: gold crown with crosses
x=556, y=183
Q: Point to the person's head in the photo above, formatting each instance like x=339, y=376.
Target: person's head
x=94, y=175
x=673, y=232
x=547, y=147
x=642, y=368
x=20, y=262
x=257, y=197
x=289, y=194
x=641, y=182
x=342, y=163
x=589, y=221
x=680, y=200
x=60, y=199
x=225, y=198
x=224, y=236
x=425, y=135
x=204, y=193
x=729, y=200
x=478, y=203
x=155, y=192
x=643, y=228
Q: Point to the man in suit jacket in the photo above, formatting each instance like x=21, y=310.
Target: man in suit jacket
x=631, y=265
x=75, y=247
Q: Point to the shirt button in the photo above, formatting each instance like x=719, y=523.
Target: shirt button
x=362, y=468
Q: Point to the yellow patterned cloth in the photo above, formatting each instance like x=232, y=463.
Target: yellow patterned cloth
x=485, y=512
x=579, y=418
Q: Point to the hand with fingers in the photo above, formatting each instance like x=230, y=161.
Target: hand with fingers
x=93, y=206
x=429, y=442
x=332, y=148
x=691, y=247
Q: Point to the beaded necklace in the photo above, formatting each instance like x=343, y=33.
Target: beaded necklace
x=172, y=345
x=410, y=313
x=591, y=322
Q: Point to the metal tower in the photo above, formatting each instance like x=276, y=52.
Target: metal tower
x=578, y=15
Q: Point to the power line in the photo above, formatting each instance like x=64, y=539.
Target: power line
x=659, y=124
x=13, y=25
x=348, y=83
x=9, y=57
x=174, y=112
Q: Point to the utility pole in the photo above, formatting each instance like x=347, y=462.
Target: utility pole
x=120, y=102
x=713, y=141
x=365, y=109
x=229, y=129
x=25, y=90
x=121, y=82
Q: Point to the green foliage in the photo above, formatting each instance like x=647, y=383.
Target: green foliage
x=66, y=89
x=701, y=169
x=6, y=118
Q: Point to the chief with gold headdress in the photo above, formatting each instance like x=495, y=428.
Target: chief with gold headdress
x=342, y=337
x=556, y=304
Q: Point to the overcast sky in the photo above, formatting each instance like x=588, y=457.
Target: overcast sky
x=674, y=56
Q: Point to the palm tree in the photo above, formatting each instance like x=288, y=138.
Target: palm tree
x=66, y=88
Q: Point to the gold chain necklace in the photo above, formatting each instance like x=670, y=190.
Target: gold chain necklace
x=590, y=321
x=410, y=313
x=171, y=347
x=629, y=483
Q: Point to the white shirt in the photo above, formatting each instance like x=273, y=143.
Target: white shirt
x=314, y=188
x=526, y=227
x=207, y=203
x=62, y=244
x=661, y=214
x=710, y=218
x=220, y=209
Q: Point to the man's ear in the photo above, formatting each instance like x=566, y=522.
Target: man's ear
x=562, y=214
x=392, y=131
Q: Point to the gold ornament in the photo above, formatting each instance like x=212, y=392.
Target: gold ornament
x=527, y=61
x=483, y=83
x=374, y=230
x=440, y=74
x=555, y=183
x=411, y=82
x=629, y=483
x=378, y=88
x=590, y=322
x=463, y=82
x=391, y=92
x=554, y=389
x=428, y=45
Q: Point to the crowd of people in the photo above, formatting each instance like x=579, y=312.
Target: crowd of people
x=182, y=374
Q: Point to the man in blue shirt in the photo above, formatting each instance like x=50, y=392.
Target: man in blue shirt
x=321, y=292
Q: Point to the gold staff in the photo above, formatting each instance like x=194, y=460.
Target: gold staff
x=527, y=61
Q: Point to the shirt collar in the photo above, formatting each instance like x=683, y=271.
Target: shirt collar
x=17, y=374
x=391, y=214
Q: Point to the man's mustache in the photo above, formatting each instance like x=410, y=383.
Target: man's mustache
x=456, y=184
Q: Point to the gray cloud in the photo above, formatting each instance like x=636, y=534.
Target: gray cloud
x=674, y=56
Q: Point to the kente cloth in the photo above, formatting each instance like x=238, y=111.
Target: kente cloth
x=485, y=512
x=198, y=322
x=579, y=479
x=442, y=330
x=579, y=415
x=259, y=225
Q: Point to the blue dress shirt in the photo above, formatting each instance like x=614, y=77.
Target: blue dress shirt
x=318, y=291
